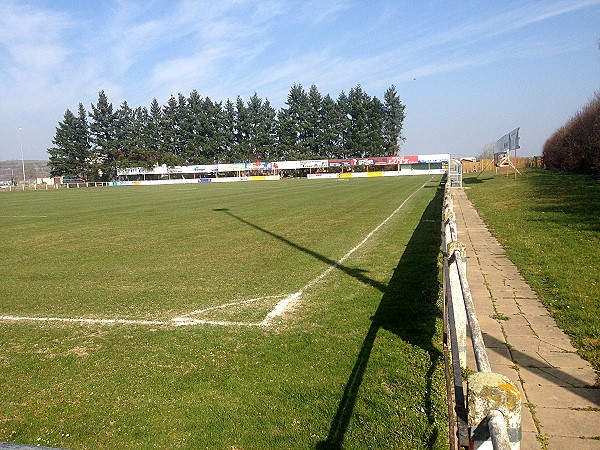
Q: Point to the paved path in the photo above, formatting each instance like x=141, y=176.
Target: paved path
x=561, y=406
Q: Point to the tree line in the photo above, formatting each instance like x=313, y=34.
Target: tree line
x=195, y=130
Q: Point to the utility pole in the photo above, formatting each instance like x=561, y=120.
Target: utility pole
x=22, y=158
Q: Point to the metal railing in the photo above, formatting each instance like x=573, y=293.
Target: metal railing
x=47, y=187
x=489, y=415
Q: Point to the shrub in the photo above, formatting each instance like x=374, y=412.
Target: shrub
x=575, y=147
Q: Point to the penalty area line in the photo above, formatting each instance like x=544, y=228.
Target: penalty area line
x=177, y=322
x=23, y=217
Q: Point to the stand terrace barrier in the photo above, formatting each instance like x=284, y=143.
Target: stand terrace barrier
x=491, y=416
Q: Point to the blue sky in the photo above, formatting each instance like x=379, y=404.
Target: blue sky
x=467, y=71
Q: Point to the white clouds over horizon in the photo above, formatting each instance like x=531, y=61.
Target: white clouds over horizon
x=54, y=57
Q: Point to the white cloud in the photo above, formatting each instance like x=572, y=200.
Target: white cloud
x=32, y=38
x=320, y=11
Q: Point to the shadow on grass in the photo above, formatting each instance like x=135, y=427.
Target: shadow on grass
x=475, y=178
x=408, y=309
x=353, y=272
x=571, y=199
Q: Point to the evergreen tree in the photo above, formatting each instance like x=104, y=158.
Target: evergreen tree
x=171, y=150
x=154, y=133
x=359, y=104
x=268, y=143
x=103, y=139
x=184, y=130
x=195, y=124
x=294, y=125
x=376, y=142
x=213, y=121
x=242, y=148
x=228, y=145
x=366, y=120
x=145, y=155
x=83, y=153
x=393, y=122
x=314, y=131
x=331, y=131
x=126, y=135
x=343, y=125
x=259, y=121
x=70, y=155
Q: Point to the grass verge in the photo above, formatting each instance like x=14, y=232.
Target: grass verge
x=549, y=224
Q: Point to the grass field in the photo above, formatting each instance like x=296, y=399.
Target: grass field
x=549, y=224
x=354, y=360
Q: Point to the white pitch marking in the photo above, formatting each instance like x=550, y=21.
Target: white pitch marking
x=84, y=320
x=23, y=217
x=180, y=321
x=186, y=320
x=226, y=305
x=281, y=307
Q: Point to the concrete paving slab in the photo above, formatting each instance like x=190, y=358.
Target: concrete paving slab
x=527, y=423
x=560, y=344
x=548, y=332
x=517, y=325
x=478, y=289
x=485, y=311
x=540, y=345
x=499, y=357
x=528, y=360
x=506, y=307
x=572, y=423
x=554, y=376
x=566, y=361
x=558, y=397
x=531, y=307
x=491, y=342
x=543, y=324
x=563, y=443
x=529, y=441
x=487, y=317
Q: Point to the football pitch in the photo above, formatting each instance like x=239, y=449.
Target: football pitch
x=289, y=314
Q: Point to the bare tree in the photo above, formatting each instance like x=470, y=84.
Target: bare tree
x=487, y=152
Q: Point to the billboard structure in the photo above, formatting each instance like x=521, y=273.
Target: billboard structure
x=274, y=170
x=507, y=143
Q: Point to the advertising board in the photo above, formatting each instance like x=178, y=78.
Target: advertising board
x=395, y=160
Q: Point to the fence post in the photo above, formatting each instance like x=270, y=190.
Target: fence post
x=460, y=315
x=492, y=399
x=449, y=244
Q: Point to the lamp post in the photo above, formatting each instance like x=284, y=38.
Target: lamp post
x=22, y=159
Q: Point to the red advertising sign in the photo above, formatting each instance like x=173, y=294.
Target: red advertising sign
x=394, y=160
x=362, y=162
x=340, y=162
x=380, y=161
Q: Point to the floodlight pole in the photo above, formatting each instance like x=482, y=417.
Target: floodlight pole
x=22, y=158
